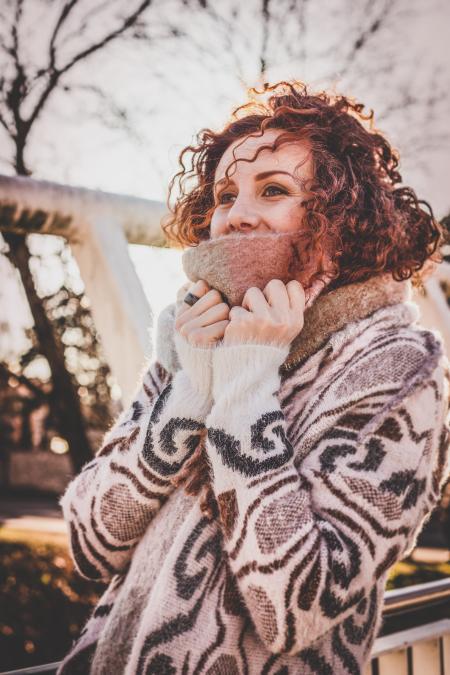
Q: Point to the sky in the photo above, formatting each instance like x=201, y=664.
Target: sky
x=170, y=100
x=173, y=88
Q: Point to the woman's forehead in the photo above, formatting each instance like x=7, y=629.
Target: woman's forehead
x=288, y=156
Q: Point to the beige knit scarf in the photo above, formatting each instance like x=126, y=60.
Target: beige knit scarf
x=233, y=263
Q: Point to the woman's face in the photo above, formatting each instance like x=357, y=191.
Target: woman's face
x=265, y=194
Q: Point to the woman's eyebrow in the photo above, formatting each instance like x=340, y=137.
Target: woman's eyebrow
x=266, y=174
x=259, y=176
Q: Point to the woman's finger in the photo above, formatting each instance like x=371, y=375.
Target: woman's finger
x=254, y=300
x=199, y=288
x=276, y=293
x=210, y=316
x=210, y=334
x=296, y=294
x=208, y=298
x=236, y=312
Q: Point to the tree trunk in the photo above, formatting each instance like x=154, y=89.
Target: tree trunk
x=64, y=399
x=19, y=164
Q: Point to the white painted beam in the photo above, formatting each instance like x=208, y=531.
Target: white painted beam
x=64, y=208
x=121, y=312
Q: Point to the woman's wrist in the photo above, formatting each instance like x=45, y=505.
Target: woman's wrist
x=196, y=362
x=240, y=368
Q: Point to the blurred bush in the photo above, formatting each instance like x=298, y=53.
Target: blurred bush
x=409, y=572
x=44, y=603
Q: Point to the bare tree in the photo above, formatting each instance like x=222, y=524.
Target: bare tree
x=365, y=49
x=72, y=33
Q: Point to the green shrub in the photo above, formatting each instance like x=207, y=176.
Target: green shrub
x=44, y=603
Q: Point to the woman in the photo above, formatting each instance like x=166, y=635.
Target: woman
x=306, y=416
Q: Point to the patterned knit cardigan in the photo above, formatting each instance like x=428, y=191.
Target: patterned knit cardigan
x=326, y=459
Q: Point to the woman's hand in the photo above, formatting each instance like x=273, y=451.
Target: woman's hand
x=271, y=316
x=203, y=323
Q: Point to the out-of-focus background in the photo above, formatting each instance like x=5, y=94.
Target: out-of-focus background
x=97, y=99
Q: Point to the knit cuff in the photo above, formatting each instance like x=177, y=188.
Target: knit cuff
x=196, y=362
x=242, y=368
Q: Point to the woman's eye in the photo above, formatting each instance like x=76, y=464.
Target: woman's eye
x=269, y=191
x=274, y=190
x=224, y=198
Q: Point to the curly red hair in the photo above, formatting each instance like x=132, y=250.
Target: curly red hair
x=376, y=224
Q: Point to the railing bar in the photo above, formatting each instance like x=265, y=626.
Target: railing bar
x=34, y=670
x=410, y=660
x=416, y=588
x=403, y=603
x=416, y=594
x=410, y=610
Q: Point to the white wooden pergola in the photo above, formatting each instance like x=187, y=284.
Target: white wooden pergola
x=98, y=227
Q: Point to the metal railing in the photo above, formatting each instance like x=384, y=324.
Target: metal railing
x=424, y=650
x=408, y=643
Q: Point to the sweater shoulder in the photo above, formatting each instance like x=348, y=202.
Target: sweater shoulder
x=378, y=362
x=393, y=332
x=396, y=363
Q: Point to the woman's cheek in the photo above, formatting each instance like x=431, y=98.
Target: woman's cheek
x=285, y=217
x=294, y=215
x=217, y=224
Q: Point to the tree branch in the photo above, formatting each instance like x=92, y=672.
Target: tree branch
x=265, y=12
x=301, y=14
x=119, y=114
x=130, y=21
x=14, y=51
x=19, y=84
x=228, y=29
x=365, y=35
x=22, y=379
x=56, y=74
x=69, y=5
x=91, y=14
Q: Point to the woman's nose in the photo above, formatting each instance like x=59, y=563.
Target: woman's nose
x=241, y=217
